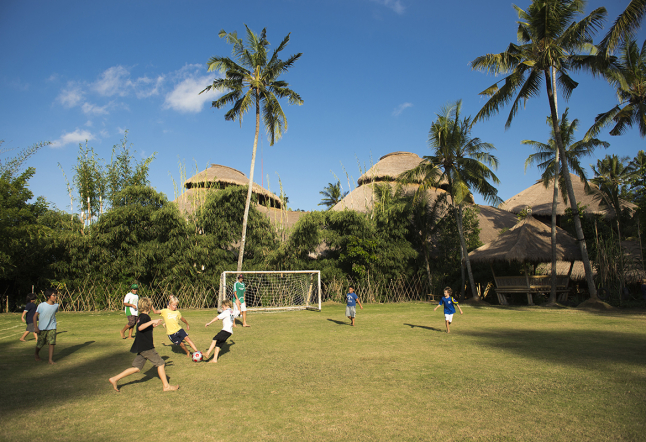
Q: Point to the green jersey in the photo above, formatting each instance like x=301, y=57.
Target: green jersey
x=239, y=290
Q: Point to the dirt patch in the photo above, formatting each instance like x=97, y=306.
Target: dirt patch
x=595, y=304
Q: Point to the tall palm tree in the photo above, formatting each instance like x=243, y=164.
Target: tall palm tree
x=612, y=176
x=551, y=43
x=332, y=194
x=462, y=161
x=252, y=82
x=624, y=27
x=630, y=82
x=547, y=159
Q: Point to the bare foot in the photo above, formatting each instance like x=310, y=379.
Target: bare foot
x=51, y=362
x=130, y=337
x=114, y=385
x=189, y=355
x=38, y=359
x=246, y=325
x=21, y=339
x=122, y=335
x=214, y=361
x=171, y=388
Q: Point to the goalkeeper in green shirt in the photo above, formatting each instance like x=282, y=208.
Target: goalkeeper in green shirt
x=238, y=294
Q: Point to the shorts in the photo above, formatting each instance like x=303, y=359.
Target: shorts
x=243, y=307
x=351, y=312
x=46, y=337
x=221, y=338
x=177, y=338
x=132, y=320
x=30, y=327
x=150, y=355
x=448, y=317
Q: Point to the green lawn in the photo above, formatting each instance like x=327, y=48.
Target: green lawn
x=502, y=374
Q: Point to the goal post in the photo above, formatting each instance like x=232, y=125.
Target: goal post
x=275, y=290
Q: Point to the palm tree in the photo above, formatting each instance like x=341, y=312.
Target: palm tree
x=460, y=160
x=612, y=176
x=253, y=81
x=332, y=194
x=630, y=82
x=547, y=159
x=624, y=27
x=551, y=43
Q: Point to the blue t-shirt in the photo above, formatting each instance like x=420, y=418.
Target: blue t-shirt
x=30, y=308
x=449, y=308
x=47, y=316
x=352, y=299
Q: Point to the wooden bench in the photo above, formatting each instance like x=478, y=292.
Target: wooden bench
x=508, y=285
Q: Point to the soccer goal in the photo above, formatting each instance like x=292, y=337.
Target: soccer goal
x=275, y=290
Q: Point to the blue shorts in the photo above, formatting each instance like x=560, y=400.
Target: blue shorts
x=177, y=338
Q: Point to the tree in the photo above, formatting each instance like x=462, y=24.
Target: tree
x=547, y=160
x=464, y=162
x=253, y=81
x=612, y=177
x=550, y=42
x=332, y=195
x=624, y=27
x=630, y=83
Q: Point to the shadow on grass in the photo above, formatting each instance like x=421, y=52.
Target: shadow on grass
x=72, y=349
x=149, y=374
x=584, y=348
x=224, y=350
x=423, y=326
x=339, y=322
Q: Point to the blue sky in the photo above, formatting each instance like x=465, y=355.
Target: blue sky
x=373, y=75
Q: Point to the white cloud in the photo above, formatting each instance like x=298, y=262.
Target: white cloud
x=89, y=123
x=92, y=109
x=72, y=95
x=78, y=136
x=186, y=97
x=146, y=87
x=395, y=5
x=399, y=109
x=113, y=81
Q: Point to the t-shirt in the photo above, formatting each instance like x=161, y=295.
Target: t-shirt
x=131, y=298
x=46, y=316
x=143, y=338
x=449, y=307
x=171, y=318
x=239, y=290
x=30, y=308
x=227, y=320
x=352, y=299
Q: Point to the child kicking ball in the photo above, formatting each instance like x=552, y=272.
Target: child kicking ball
x=227, y=316
x=175, y=332
x=449, y=307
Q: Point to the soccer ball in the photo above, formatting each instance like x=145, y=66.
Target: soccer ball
x=197, y=356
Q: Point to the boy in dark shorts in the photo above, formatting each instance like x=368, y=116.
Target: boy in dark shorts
x=28, y=317
x=144, y=348
x=175, y=332
x=45, y=324
x=227, y=318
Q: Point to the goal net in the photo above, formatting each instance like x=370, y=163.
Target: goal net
x=275, y=290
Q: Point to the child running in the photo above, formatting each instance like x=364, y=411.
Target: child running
x=449, y=307
x=28, y=316
x=45, y=324
x=175, y=332
x=144, y=348
x=351, y=307
x=227, y=316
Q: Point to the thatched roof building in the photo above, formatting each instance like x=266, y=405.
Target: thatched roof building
x=528, y=241
x=539, y=198
x=389, y=167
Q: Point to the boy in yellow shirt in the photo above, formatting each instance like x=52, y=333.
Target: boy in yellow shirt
x=175, y=332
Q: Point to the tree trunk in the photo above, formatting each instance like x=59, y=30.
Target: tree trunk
x=463, y=243
x=568, y=184
x=552, y=300
x=248, y=202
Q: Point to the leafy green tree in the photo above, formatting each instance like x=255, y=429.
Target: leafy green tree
x=548, y=162
x=462, y=161
x=253, y=81
x=332, y=195
x=551, y=44
x=612, y=177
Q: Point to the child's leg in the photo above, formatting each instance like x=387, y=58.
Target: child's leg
x=37, y=355
x=244, y=319
x=188, y=353
x=123, y=374
x=123, y=330
x=24, y=335
x=161, y=371
x=448, y=329
x=35, y=336
x=215, y=356
x=187, y=339
x=352, y=319
x=208, y=352
x=51, y=353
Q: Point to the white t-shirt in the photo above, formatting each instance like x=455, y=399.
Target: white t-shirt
x=227, y=320
x=131, y=298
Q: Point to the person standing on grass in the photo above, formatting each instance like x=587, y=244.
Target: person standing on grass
x=238, y=293
x=45, y=324
x=449, y=307
x=28, y=316
x=130, y=303
x=145, y=349
x=228, y=317
x=175, y=332
x=351, y=307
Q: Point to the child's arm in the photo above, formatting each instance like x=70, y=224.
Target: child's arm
x=188, y=327
x=24, y=312
x=359, y=303
x=154, y=323
x=459, y=308
x=209, y=323
x=36, y=323
x=155, y=311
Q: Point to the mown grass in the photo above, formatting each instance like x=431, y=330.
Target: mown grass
x=502, y=374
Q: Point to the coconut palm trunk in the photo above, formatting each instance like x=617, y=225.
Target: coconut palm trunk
x=552, y=300
x=570, y=190
x=465, y=252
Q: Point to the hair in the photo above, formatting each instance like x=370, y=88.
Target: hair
x=240, y=276
x=145, y=305
x=351, y=287
x=172, y=299
x=49, y=292
x=227, y=303
x=31, y=297
x=449, y=290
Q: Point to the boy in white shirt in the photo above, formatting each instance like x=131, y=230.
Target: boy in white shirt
x=227, y=317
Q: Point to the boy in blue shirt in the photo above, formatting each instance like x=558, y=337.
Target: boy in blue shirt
x=351, y=307
x=449, y=307
x=45, y=324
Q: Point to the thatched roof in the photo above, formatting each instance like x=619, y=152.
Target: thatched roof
x=362, y=198
x=492, y=221
x=539, y=198
x=528, y=241
x=279, y=217
x=389, y=167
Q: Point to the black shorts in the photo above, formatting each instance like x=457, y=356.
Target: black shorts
x=221, y=338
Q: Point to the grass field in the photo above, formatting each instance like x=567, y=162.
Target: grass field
x=502, y=374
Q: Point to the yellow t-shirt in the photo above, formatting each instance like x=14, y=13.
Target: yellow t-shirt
x=171, y=318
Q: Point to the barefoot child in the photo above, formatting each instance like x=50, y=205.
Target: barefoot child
x=227, y=317
x=175, y=332
x=238, y=293
x=449, y=307
x=144, y=348
x=351, y=307
x=130, y=307
x=28, y=317
x=45, y=324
